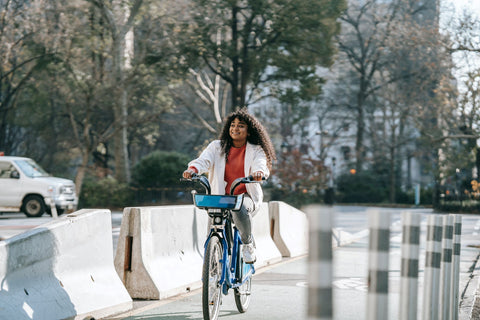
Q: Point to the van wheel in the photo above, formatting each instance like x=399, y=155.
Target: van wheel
x=33, y=206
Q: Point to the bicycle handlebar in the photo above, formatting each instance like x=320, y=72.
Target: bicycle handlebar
x=204, y=182
x=239, y=181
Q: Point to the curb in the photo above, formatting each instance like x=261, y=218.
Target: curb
x=471, y=295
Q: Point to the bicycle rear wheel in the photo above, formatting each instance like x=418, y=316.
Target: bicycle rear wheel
x=211, y=274
x=242, y=293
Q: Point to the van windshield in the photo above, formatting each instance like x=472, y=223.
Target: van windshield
x=31, y=169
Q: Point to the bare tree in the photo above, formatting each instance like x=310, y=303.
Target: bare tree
x=399, y=77
x=120, y=17
x=366, y=29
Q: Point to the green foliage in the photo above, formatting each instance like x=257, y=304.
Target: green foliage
x=106, y=193
x=404, y=197
x=296, y=198
x=426, y=196
x=362, y=187
x=261, y=42
x=371, y=187
x=458, y=207
x=160, y=169
x=59, y=107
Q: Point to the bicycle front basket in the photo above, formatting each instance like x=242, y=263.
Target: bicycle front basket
x=208, y=201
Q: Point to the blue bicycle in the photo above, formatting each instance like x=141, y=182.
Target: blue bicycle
x=223, y=265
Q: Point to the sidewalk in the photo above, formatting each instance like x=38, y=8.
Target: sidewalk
x=469, y=295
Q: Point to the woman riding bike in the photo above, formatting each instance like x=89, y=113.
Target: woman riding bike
x=244, y=148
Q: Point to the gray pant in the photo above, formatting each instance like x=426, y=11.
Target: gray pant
x=243, y=219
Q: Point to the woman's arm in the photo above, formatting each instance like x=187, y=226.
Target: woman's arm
x=259, y=166
x=204, y=162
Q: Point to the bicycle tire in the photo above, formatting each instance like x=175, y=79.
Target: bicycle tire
x=211, y=274
x=243, y=292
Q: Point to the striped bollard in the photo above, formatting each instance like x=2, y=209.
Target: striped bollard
x=320, y=301
x=446, y=268
x=379, y=245
x=457, y=233
x=409, y=267
x=433, y=257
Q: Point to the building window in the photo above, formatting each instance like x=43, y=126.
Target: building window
x=346, y=153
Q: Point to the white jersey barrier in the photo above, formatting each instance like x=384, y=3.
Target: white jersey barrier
x=290, y=229
x=266, y=251
x=62, y=269
x=160, y=250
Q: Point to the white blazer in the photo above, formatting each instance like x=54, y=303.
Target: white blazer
x=212, y=160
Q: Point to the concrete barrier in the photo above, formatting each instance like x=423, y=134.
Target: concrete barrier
x=160, y=250
x=290, y=229
x=62, y=269
x=266, y=250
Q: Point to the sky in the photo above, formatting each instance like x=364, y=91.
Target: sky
x=449, y=8
x=460, y=5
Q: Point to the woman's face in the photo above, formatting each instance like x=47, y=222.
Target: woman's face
x=238, y=132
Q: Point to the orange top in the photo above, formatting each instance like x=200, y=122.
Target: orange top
x=234, y=168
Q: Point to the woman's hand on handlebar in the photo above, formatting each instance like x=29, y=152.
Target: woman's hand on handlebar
x=189, y=173
x=258, y=176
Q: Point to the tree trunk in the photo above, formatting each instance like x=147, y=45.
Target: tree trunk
x=360, y=132
x=392, y=173
x=119, y=38
x=122, y=172
x=82, y=169
x=477, y=162
x=235, y=61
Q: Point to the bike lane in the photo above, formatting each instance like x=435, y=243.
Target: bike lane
x=280, y=291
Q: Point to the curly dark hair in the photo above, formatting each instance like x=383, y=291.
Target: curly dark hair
x=256, y=134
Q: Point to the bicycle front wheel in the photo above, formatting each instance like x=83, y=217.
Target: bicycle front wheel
x=211, y=275
x=242, y=293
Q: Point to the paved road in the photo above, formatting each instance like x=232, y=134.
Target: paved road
x=279, y=291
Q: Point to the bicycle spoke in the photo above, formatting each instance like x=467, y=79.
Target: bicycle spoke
x=212, y=275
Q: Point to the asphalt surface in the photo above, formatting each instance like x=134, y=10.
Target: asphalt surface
x=280, y=291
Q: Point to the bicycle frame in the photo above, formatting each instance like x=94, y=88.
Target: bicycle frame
x=223, y=266
x=231, y=277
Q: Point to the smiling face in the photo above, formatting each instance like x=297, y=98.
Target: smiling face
x=238, y=132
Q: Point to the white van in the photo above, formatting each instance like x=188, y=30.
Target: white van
x=25, y=186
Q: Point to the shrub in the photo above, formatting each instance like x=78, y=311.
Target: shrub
x=405, y=197
x=106, y=193
x=426, y=196
x=160, y=169
x=296, y=198
x=362, y=187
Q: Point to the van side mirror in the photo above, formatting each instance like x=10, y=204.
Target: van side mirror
x=15, y=175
